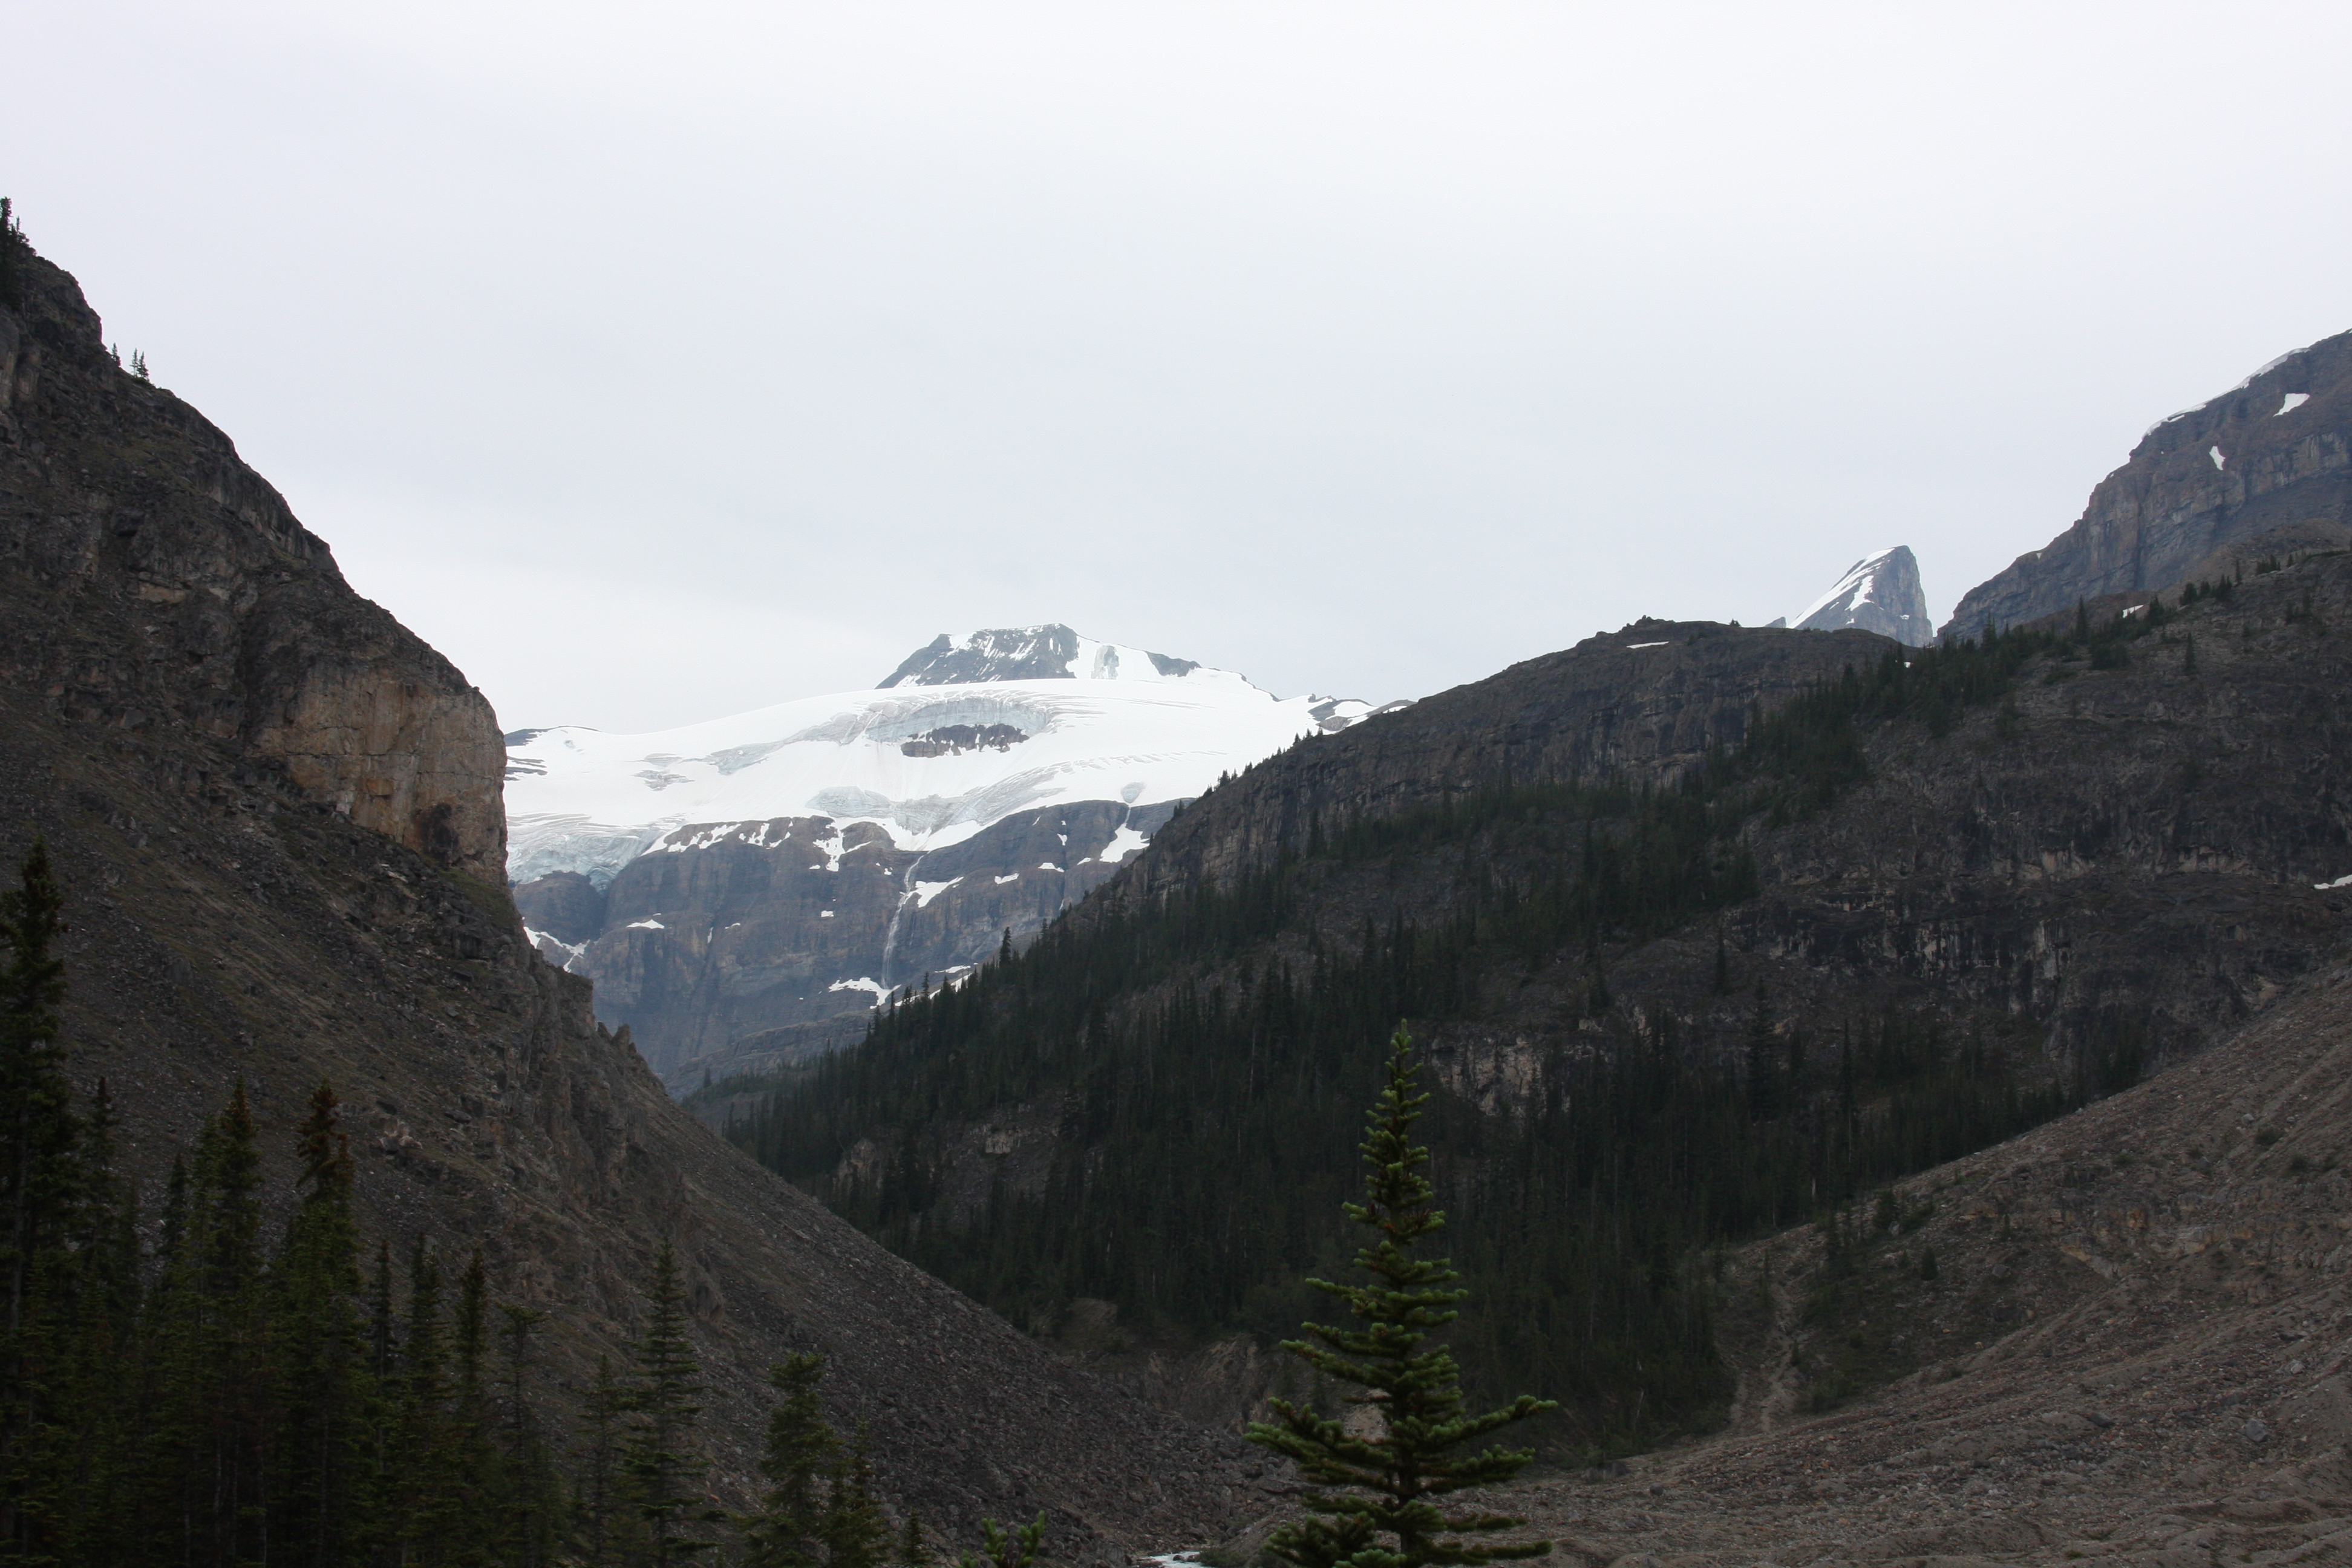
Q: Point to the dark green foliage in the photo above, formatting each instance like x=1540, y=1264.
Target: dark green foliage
x=658, y=1456
x=319, y=1355
x=789, y=1529
x=914, y=1551
x=1385, y=1516
x=222, y=1402
x=604, y=1523
x=41, y=1197
x=856, y=1532
x=13, y=252
x=999, y=1550
x=1224, y=1071
x=531, y=1493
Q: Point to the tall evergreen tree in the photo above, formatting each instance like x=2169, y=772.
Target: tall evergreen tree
x=533, y=1492
x=318, y=1353
x=477, y=1477
x=914, y=1548
x=222, y=1324
x=1385, y=1517
x=38, y=1189
x=603, y=1484
x=856, y=1535
x=788, y=1531
x=659, y=1457
x=96, y=1350
x=423, y=1516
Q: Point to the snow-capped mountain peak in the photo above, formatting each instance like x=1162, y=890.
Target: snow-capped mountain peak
x=966, y=733
x=801, y=862
x=1051, y=652
x=1880, y=592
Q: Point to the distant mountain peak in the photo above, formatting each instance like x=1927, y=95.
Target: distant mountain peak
x=1880, y=592
x=1051, y=652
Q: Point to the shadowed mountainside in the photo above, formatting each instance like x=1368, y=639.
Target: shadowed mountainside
x=277, y=816
x=2031, y=870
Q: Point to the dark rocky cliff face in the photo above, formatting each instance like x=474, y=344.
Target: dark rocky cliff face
x=161, y=582
x=708, y=945
x=1645, y=701
x=277, y=813
x=2276, y=451
x=2133, y=847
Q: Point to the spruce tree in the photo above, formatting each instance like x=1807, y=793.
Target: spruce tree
x=319, y=1352
x=1384, y=1514
x=856, y=1535
x=533, y=1511
x=423, y=1510
x=602, y=1485
x=230, y=1380
x=39, y=1189
x=95, y=1350
x=913, y=1550
x=788, y=1531
x=660, y=1457
x=477, y=1475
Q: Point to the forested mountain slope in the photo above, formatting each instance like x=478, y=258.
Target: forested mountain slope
x=276, y=815
x=1685, y=975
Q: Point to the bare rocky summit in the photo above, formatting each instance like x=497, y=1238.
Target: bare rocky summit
x=2274, y=451
x=1880, y=592
x=277, y=815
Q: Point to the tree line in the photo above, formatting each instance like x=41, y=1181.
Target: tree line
x=1197, y=1059
x=184, y=1387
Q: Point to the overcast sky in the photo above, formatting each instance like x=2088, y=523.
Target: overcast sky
x=657, y=362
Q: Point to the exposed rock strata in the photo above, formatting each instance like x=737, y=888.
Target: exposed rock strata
x=1880, y=593
x=1645, y=702
x=161, y=581
x=723, y=933
x=2274, y=450
x=276, y=812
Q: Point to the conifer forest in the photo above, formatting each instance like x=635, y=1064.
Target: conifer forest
x=1206, y=1139
x=178, y=1385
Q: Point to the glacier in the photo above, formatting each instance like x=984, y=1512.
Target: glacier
x=1137, y=728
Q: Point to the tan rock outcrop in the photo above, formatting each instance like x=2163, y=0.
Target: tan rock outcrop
x=156, y=578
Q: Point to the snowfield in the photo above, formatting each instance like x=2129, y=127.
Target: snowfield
x=931, y=766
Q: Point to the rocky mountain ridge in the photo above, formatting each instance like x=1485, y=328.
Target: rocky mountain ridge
x=2138, y=845
x=1051, y=652
x=2274, y=451
x=277, y=813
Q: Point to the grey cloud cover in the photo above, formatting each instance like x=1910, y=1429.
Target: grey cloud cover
x=657, y=363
